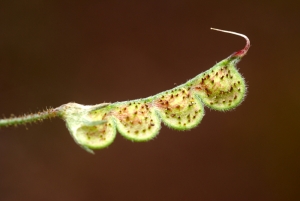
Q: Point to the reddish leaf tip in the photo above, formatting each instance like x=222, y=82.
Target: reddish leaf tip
x=243, y=51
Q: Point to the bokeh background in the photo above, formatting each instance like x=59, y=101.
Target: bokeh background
x=55, y=52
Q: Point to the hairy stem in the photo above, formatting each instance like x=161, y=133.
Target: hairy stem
x=30, y=118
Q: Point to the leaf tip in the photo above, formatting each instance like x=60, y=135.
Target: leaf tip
x=241, y=52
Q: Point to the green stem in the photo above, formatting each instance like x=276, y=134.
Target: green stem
x=30, y=118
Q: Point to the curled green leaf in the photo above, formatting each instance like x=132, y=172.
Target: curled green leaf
x=221, y=88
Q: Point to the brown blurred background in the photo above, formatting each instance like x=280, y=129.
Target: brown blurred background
x=54, y=52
